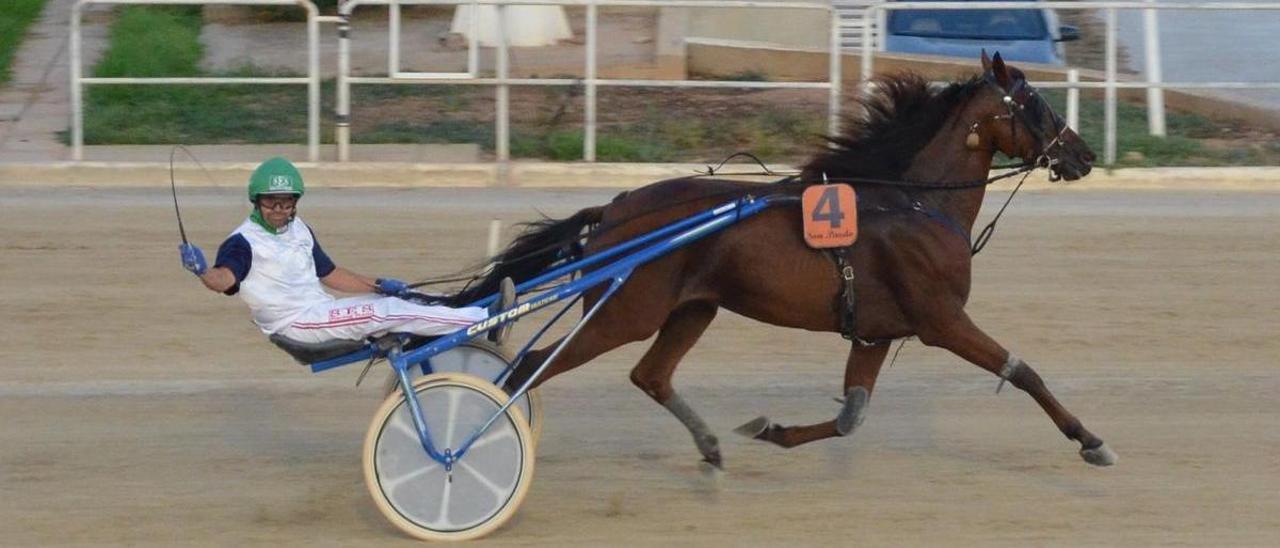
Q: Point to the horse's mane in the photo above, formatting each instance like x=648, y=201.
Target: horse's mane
x=902, y=113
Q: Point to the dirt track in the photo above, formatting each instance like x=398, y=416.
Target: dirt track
x=138, y=408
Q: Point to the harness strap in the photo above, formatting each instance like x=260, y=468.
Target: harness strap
x=941, y=218
x=938, y=216
x=846, y=302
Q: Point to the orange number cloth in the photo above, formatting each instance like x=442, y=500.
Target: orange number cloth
x=830, y=215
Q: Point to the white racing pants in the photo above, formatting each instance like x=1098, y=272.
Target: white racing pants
x=356, y=318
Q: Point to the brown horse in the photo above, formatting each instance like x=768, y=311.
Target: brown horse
x=918, y=160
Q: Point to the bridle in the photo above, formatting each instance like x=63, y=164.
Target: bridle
x=1017, y=112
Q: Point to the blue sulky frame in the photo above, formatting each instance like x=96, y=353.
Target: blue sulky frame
x=634, y=253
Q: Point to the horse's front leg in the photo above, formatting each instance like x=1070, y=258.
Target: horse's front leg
x=966, y=340
x=861, y=370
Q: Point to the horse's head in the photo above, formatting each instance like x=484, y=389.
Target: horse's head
x=1010, y=116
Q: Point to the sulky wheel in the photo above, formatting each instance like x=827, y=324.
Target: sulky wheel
x=482, y=359
x=485, y=486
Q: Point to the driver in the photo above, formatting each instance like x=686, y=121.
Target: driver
x=273, y=261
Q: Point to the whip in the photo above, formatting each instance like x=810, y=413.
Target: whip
x=173, y=185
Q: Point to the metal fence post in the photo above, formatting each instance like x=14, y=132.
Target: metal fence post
x=502, y=133
x=1073, y=100
x=342, y=108
x=313, y=84
x=836, y=60
x=868, y=51
x=1109, y=125
x=1155, y=95
x=393, y=38
x=589, y=111
x=77, y=108
x=473, y=42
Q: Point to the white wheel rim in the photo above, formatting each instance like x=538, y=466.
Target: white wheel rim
x=483, y=481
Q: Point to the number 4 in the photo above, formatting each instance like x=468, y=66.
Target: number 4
x=828, y=207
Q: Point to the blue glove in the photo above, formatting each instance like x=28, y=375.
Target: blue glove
x=193, y=259
x=391, y=286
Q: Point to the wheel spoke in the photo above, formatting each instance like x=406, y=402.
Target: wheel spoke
x=455, y=397
x=493, y=437
x=404, y=424
x=443, y=518
x=497, y=490
x=389, y=485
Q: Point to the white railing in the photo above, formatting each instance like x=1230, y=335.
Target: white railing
x=590, y=82
x=1110, y=83
x=312, y=79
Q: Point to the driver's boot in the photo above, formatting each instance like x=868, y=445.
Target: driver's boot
x=506, y=299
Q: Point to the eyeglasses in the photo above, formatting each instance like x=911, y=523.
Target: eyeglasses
x=278, y=204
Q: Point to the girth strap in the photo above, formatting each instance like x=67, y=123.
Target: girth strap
x=847, y=301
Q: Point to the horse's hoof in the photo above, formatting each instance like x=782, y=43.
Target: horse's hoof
x=1099, y=456
x=754, y=427
x=712, y=475
x=713, y=459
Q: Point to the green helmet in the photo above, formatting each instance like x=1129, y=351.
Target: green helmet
x=275, y=176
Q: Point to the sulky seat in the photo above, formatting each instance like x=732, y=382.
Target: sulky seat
x=307, y=353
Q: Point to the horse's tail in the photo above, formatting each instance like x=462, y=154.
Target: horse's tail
x=540, y=245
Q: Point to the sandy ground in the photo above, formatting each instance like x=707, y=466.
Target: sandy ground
x=138, y=408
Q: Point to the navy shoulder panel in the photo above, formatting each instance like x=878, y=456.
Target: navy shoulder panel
x=324, y=265
x=235, y=255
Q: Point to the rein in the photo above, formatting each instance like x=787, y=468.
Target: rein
x=1016, y=113
x=985, y=235
x=1018, y=170
x=1024, y=169
x=594, y=230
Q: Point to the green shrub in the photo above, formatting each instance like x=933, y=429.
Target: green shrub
x=435, y=132
x=1136, y=147
x=150, y=41
x=15, y=17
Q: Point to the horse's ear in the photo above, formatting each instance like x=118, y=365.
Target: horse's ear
x=1001, y=72
x=986, y=62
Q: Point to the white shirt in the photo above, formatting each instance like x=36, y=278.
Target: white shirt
x=282, y=280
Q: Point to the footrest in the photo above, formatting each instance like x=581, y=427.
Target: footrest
x=307, y=353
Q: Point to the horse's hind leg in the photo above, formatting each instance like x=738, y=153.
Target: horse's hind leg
x=598, y=336
x=966, y=340
x=861, y=370
x=653, y=373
